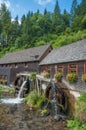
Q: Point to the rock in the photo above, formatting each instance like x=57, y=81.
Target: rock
x=56, y=118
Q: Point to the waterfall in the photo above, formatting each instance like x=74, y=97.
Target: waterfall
x=21, y=89
x=14, y=100
x=54, y=98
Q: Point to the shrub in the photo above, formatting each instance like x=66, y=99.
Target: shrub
x=79, y=122
x=84, y=77
x=72, y=77
x=81, y=108
x=46, y=74
x=76, y=125
x=58, y=76
x=44, y=111
x=33, y=75
x=34, y=99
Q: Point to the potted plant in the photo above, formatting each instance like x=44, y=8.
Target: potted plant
x=33, y=76
x=84, y=77
x=46, y=74
x=72, y=77
x=58, y=76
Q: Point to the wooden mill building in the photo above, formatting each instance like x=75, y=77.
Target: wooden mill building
x=67, y=59
x=20, y=61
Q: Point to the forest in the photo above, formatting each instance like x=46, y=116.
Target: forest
x=37, y=28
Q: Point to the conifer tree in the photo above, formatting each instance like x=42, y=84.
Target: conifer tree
x=73, y=10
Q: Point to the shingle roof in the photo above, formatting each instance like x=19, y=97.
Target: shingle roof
x=69, y=53
x=27, y=55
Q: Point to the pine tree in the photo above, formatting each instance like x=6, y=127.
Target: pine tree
x=57, y=9
x=5, y=19
x=73, y=10
x=45, y=11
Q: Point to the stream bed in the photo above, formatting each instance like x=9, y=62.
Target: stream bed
x=19, y=117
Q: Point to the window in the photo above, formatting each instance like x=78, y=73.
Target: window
x=25, y=65
x=85, y=68
x=2, y=65
x=16, y=66
x=47, y=69
x=60, y=68
x=73, y=68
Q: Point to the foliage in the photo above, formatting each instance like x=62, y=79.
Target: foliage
x=37, y=29
x=33, y=75
x=72, y=77
x=44, y=111
x=46, y=74
x=84, y=77
x=5, y=89
x=1, y=93
x=76, y=125
x=79, y=122
x=81, y=108
x=58, y=76
x=34, y=99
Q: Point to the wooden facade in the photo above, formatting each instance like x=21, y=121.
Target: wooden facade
x=67, y=59
x=77, y=67
x=22, y=61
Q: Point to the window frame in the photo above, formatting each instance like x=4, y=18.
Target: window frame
x=84, y=68
x=16, y=65
x=26, y=65
x=73, y=68
x=60, y=69
x=47, y=68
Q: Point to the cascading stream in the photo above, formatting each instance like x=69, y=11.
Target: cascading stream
x=54, y=98
x=15, y=100
x=21, y=89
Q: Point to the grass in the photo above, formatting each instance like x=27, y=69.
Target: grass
x=6, y=89
x=79, y=122
x=34, y=99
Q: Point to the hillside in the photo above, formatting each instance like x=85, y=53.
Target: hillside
x=55, y=41
x=37, y=29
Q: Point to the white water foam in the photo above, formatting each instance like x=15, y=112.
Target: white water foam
x=17, y=100
x=12, y=100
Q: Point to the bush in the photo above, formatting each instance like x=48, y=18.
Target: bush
x=58, y=76
x=46, y=74
x=84, y=77
x=76, y=125
x=33, y=75
x=79, y=122
x=34, y=99
x=72, y=77
x=44, y=111
x=81, y=108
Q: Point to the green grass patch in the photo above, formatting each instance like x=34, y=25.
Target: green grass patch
x=34, y=99
x=4, y=89
x=79, y=122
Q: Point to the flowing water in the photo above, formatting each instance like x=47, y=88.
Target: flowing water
x=17, y=100
x=21, y=89
x=54, y=99
x=15, y=115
